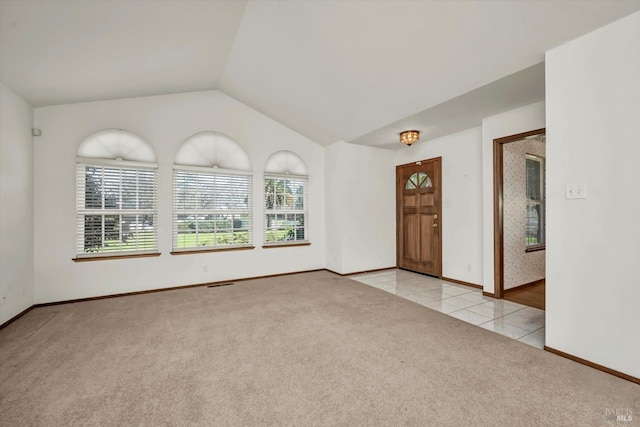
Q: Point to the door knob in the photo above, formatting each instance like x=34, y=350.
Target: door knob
x=435, y=217
x=435, y=225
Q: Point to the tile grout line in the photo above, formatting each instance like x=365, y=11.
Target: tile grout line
x=444, y=283
x=532, y=332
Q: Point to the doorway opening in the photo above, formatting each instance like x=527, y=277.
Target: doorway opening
x=419, y=216
x=519, y=217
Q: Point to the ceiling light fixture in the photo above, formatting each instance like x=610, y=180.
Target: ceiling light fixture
x=409, y=137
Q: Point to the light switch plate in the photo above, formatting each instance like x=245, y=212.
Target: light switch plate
x=576, y=191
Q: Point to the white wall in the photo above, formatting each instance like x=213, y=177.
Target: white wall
x=165, y=121
x=360, y=197
x=16, y=204
x=520, y=267
x=461, y=199
x=335, y=198
x=593, y=245
x=523, y=119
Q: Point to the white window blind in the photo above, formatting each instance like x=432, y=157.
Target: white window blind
x=286, y=209
x=116, y=209
x=211, y=209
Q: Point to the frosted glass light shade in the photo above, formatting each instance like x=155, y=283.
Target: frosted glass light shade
x=409, y=137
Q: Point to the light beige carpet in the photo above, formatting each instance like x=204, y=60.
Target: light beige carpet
x=308, y=349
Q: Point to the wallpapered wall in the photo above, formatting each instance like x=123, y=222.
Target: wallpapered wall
x=520, y=267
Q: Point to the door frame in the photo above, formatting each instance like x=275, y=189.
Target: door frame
x=498, y=206
x=399, y=226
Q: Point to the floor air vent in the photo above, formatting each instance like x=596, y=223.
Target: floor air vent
x=216, y=285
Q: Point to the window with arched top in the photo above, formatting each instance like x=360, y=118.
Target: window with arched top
x=212, y=202
x=116, y=196
x=418, y=180
x=286, y=200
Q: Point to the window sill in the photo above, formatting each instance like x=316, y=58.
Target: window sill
x=202, y=251
x=284, y=245
x=535, y=248
x=109, y=257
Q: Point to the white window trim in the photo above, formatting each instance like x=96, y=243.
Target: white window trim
x=211, y=171
x=305, y=211
x=82, y=212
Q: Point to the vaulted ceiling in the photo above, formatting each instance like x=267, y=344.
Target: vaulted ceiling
x=357, y=71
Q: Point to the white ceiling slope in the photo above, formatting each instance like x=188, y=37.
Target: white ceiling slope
x=332, y=70
x=61, y=51
x=338, y=70
x=465, y=111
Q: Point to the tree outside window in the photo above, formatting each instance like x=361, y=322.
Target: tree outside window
x=285, y=209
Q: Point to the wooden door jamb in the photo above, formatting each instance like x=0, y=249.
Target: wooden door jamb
x=498, y=207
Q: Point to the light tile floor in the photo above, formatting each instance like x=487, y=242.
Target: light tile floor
x=517, y=321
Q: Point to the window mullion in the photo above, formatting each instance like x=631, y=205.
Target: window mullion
x=102, y=231
x=103, y=196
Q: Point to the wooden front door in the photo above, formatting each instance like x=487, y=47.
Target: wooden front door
x=418, y=216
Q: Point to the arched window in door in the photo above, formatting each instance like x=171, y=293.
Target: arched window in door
x=418, y=180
